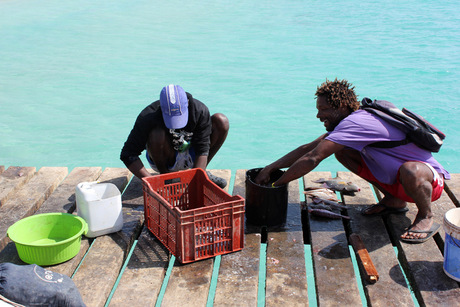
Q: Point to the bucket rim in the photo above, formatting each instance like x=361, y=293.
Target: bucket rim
x=258, y=169
x=83, y=230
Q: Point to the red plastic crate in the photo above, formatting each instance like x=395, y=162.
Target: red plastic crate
x=192, y=216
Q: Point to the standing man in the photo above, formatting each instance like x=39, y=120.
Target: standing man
x=178, y=133
x=405, y=173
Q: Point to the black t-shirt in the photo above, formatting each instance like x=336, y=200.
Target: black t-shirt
x=199, y=123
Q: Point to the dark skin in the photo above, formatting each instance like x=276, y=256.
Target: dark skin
x=160, y=148
x=415, y=177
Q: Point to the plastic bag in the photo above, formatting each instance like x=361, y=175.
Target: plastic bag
x=32, y=285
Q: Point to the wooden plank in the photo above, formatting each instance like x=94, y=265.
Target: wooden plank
x=100, y=268
x=118, y=176
x=334, y=274
x=452, y=187
x=238, y=280
x=438, y=208
x=189, y=284
x=29, y=198
x=369, y=271
x=423, y=265
x=13, y=179
x=391, y=289
x=141, y=281
x=423, y=262
x=286, y=279
x=81, y=174
x=63, y=199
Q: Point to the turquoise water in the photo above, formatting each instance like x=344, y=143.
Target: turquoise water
x=75, y=74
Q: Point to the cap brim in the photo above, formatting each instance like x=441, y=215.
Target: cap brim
x=176, y=122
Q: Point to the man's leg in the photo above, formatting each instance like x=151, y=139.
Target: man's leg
x=416, y=179
x=160, y=149
x=352, y=160
x=220, y=127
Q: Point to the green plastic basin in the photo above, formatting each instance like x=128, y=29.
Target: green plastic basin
x=49, y=238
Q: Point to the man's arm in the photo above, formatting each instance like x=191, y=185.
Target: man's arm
x=309, y=161
x=201, y=162
x=288, y=160
x=138, y=169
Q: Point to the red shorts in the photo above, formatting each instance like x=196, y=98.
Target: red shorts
x=396, y=189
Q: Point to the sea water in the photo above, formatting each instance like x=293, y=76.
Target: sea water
x=75, y=74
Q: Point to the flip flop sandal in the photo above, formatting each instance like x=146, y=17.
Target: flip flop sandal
x=430, y=233
x=385, y=211
x=221, y=182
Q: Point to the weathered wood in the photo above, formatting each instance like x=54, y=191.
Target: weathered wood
x=423, y=262
x=444, y=204
x=143, y=276
x=239, y=272
x=10, y=254
x=286, y=279
x=81, y=174
x=141, y=281
x=63, y=198
x=423, y=265
x=452, y=188
x=118, y=176
x=391, y=289
x=29, y=198
x=364, y=259
x=439, y=209
x=238, y=275
x=334, y=274
x=99, y=270
x=13, y=179
x=189, y=284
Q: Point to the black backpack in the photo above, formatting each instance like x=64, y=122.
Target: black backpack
x=418, y=130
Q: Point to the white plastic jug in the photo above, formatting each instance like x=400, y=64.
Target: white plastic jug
x=99, y=204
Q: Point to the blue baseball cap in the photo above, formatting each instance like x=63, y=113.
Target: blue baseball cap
x=174, y=106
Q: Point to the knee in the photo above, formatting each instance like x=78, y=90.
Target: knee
x=220, y=122
x=415, y=174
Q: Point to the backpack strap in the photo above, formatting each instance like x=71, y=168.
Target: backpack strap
x=389, y=144
x=383, y=110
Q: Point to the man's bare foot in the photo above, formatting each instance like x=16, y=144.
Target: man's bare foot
x=420, y=229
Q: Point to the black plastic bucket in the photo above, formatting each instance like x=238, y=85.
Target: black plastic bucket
x=265, y=205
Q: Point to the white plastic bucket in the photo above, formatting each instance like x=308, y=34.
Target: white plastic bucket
x=99, y=204
x=452, y=244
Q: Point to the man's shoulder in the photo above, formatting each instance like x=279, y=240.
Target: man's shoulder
x=196, y=106
x=196, y=102
x=358, y=113
x=362, y=117
x=152, y=110
x=361, y=121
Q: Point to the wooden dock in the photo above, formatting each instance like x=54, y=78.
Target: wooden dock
x=309, y=261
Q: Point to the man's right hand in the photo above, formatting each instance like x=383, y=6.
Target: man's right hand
x=264, y=176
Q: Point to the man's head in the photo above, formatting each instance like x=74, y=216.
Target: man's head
x=174, y=106
x=335, y=101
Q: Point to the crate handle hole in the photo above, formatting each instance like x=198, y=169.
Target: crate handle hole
x=174, y=180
